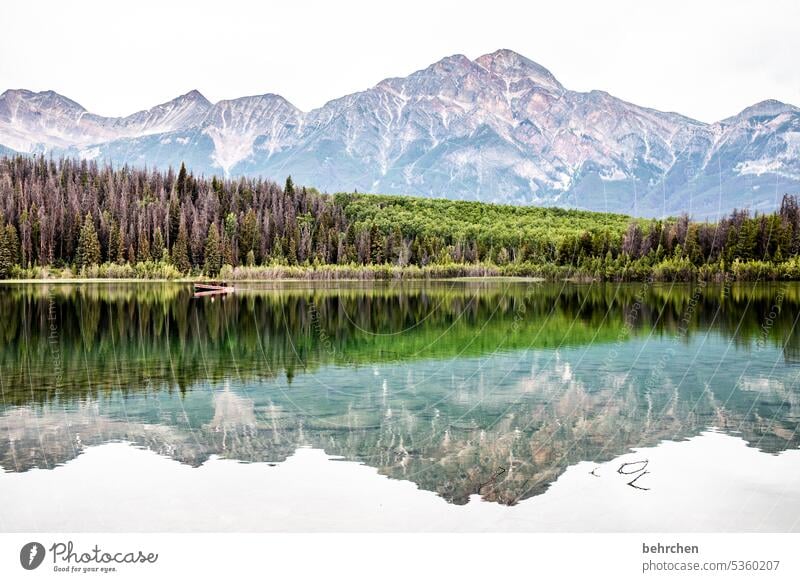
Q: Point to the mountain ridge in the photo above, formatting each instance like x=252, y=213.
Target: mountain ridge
x=499, y=128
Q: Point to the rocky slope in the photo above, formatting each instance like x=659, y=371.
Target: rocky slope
x=499, y=128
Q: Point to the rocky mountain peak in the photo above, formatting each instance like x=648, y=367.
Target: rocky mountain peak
x=500, y=128
x=513, y=66
x=766, y=108
x=195, y=96
x=41, y=101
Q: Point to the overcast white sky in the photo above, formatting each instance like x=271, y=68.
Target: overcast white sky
x=704, y=59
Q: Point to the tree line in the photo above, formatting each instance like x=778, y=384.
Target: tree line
x=78, y=214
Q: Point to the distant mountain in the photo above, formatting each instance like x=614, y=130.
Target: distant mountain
x=500, y=128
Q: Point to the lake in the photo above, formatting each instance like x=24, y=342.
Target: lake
x=408, y=406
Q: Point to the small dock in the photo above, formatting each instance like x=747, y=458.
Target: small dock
x=212, y=288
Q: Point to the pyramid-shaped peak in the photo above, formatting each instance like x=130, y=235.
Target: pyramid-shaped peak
x=507, y=63
x=769, y=107
x=452, y=62
x=195, y=95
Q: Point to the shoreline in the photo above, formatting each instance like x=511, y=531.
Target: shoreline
x=307, y=280
x=109, y=280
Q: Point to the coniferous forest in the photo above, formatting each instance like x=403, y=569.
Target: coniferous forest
x=67, y=218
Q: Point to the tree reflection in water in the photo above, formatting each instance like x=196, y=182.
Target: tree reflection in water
x=460, y=387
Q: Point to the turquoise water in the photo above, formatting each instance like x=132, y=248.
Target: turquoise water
x=470, y=393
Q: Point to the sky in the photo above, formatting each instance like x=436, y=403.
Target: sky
x=704, y=59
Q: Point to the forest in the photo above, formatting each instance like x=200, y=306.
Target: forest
x=80, y=219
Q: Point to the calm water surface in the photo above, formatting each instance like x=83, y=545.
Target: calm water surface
x=417, y=406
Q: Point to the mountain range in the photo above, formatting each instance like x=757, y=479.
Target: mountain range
x=500, y=128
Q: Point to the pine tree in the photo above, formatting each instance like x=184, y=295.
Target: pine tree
x=180, y=252
x=113, y=242
x=289, y=188
x=144, y=247
x=292, y=252
x=174, y=221
x=25, y=231
x=180, y=185
x=229, y=244
x=5, y=258
x=376, y=240
x=9, y=250
x=213, y=256
x=249, y=236
x=277, y=250
x=226, y=250
x=120, y=250
x=196, y=241
x=158, y=245
x=88, y=252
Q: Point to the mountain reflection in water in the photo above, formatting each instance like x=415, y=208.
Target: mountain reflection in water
x=462, y=388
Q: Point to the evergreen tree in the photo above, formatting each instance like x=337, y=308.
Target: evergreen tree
x=180, y=252
x=226, y=250
x=174, y=221
x=288, y=189
x=249, y=236
x=9, y=250
x=277, y=250
x=88, y=252
x=144, y=247
x=213, y=256
x=229, y=242
x=196, y=242
x=158, y=246
x=376, y=244
x=113, y=242
x=291, y=254
x=120, y=250
x=180, y=185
